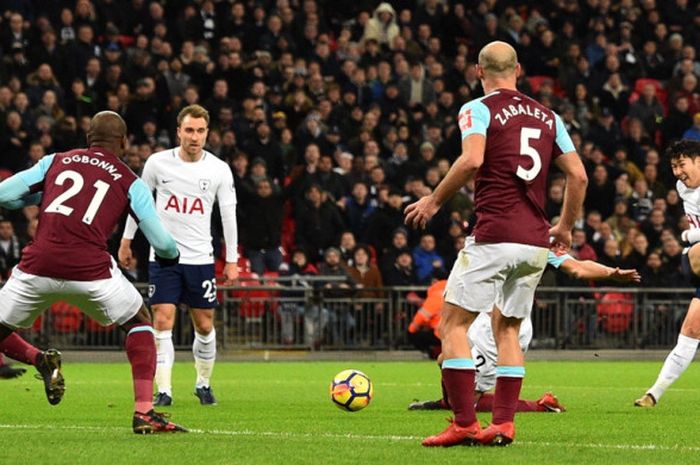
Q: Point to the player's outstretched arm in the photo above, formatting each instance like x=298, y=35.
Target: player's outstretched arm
x=419, y=213
x=588, y=269
x=15, y=191
x=27, y=200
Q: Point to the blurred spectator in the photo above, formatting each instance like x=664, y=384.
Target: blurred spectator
x=677, y=122
x=262, y=145
x=347, y=247
x=357, y=209
x=294, y=305
x=388, y=217
x=382, y=26
x=426, y=258
x=401, y=272
x=653, y=226
x=693, y=132
x=637, y=258
x=10, y=248
x=671, y=258
x=653, y=272
x=415, y=88
x=641, y=201
x=600, y=191
x=318, y=223
x=605, y=133
x=365, y=273
x=648, y=109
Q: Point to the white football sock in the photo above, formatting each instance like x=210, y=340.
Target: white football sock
x=676, y=363
x=204, y=350
x=165, y=357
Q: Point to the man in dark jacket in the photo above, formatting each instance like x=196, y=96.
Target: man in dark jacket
x=318, y=223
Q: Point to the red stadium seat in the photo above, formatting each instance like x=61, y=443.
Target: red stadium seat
x=65, y=318
x=536, y=82
x=94, y=327
x=661, y=93
x=4, y=174
x=252, y=302
x=615, y=312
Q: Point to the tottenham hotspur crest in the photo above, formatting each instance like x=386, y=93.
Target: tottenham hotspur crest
x=204, y=184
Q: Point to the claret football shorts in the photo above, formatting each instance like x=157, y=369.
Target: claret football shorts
x=502, y=274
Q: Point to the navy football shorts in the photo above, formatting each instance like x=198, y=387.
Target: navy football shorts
x=193, y=285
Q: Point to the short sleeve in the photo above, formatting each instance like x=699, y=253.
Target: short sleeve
x=557, y=260
x=474, y=118
x=563, y=140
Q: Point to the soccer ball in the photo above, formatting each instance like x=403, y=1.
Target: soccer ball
x=351, y=390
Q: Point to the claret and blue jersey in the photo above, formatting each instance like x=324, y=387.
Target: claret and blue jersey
x=83, y=195
x=522, y=138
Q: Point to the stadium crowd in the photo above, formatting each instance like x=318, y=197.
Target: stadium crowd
x=334, y=115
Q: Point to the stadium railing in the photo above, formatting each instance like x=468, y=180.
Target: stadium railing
x=288, y=313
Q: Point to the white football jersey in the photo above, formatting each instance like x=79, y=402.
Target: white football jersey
x=185, y=195
x=691, y=203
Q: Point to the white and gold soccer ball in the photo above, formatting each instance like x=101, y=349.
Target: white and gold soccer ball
x=351, y=390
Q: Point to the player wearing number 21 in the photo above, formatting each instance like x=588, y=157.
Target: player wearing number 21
x=508, y=143
x=187, y=180
x=83, y=194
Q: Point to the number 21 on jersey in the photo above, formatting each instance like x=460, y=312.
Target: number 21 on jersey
x=57, y=206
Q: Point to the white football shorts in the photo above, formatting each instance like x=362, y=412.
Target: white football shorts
x=25, y=296
x=504, y=275
x=484, y=351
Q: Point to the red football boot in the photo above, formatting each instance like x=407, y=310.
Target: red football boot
x=550, y=402
x=455, y=435
x=497, y=435
x=154, y=422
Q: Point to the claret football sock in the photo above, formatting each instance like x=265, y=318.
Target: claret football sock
x=675, y=364
x=204, y=351
x=15, y=347
x=458, y=378
x=485, y=404
x=445, y=398
x=509, y=380
x=165, y=358
x=141, y=351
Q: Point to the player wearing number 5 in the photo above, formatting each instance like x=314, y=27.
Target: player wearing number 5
x=508, y=143
x=187, y=180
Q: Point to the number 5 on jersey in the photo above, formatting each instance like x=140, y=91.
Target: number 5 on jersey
x=528, y=151
x=57, y=206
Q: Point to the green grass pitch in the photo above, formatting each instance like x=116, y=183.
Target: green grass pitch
x=280, y=413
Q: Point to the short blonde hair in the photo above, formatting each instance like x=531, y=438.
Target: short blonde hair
x=195, y=111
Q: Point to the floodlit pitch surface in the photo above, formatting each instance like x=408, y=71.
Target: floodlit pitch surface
x=280, y=413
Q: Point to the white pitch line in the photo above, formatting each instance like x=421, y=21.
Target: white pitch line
x=287, y=434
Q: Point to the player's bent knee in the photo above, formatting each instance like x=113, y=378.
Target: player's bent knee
x=204, y=327
x=691, y=328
